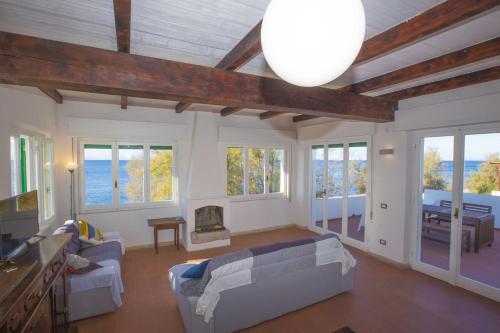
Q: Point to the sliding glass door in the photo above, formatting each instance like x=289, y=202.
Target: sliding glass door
x=479, y=266
x=457, y=209
x=436, y=183
x=339, y=189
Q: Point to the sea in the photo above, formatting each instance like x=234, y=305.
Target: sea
x=446, y=170
x=99, y=178
x=99, y=182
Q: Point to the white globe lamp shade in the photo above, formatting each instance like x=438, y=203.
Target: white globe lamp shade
x=312, y=42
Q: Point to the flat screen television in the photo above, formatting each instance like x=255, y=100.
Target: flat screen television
x=18, y=223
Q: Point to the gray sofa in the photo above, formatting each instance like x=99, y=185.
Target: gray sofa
x=283, y=291
x=97, y=293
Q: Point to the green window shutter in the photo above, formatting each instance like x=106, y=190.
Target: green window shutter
x=336, y=145
x=160, y=147
x=358, y=144
x=96, y=146
x=130, y=147
x=318, y=147
x=22, y=165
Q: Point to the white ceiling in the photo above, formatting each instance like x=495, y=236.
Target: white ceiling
x=203, y=31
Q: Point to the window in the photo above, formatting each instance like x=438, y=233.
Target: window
x=255, y=171
x=131, y=163
x=161, y=173
x=98, y=171
x=48, y=180
x=118, y=175
x=32, y=168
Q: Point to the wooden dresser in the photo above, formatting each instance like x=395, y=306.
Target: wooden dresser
x=38, y=303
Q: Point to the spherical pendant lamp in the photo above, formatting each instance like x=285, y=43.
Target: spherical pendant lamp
x=312, y=42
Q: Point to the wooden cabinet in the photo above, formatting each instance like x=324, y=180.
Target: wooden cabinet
x=38, y=304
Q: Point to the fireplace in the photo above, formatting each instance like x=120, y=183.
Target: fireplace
x=208, y=223
x=208, y=219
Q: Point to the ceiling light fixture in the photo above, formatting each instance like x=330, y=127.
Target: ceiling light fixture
x=312, y=42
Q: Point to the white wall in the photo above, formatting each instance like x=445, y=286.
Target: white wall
x=21, y=110
x=201, y=138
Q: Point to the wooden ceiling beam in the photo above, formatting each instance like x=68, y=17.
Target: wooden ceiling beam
x=229, y=111
x=246, y=49
x=445, y=62
x=35, y=61
x=269, y=114
x=123, y=15
x=122, y=24
x=52, y=93
x=460, y=81
x=181, y=107
x=123, y=102
x=302, y=117
x=437, y=19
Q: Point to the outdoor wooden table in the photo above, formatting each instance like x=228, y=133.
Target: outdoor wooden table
x=470, y=218
x=164, y=224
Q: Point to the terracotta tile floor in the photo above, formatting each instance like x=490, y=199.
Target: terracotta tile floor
x=384, y=299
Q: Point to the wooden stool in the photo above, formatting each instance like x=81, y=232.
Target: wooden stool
x=165, y=224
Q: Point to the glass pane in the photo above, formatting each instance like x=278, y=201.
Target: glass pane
x=48, y=180
x=481, y=222
x=98, y=175
x=275, y=171
x=358, y=180
x=23, y=165
x=255, y=171
x=437, y=176
x=14, y=166
x=235, y=169
x=161, y=173
x=131, y=163
x=318, y=176
x=335, y=186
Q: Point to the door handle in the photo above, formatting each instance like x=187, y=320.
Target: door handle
x=455, y=214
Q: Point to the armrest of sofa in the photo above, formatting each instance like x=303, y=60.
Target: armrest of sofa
x=114, y=236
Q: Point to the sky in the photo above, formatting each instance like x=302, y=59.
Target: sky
x=105, y=154
x=477, y=146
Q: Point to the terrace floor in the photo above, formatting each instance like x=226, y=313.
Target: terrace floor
x=335, y=225
x=483, y=266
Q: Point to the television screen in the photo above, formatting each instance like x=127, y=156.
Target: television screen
x=18, y=222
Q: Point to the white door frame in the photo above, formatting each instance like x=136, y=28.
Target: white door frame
x=453, y=275
x=368, y=200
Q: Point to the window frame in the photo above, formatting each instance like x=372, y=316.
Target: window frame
x=115, y=172
x=35, y=163
x=266, y=195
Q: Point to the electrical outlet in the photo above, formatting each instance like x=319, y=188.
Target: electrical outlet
x=383, y=206
x=383, y=242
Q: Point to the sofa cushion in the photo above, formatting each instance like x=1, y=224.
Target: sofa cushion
x=196, y=272
x=89, y=233
x=80, y=265
x=73, y=246
x=104, y=251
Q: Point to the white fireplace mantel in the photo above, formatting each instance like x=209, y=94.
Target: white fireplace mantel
x=188, y=213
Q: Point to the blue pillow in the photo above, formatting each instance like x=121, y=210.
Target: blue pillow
x=196, y=271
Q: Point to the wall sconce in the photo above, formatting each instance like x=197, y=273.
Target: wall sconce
x=386, y=151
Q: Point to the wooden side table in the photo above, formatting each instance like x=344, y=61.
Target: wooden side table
x=165, y=224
